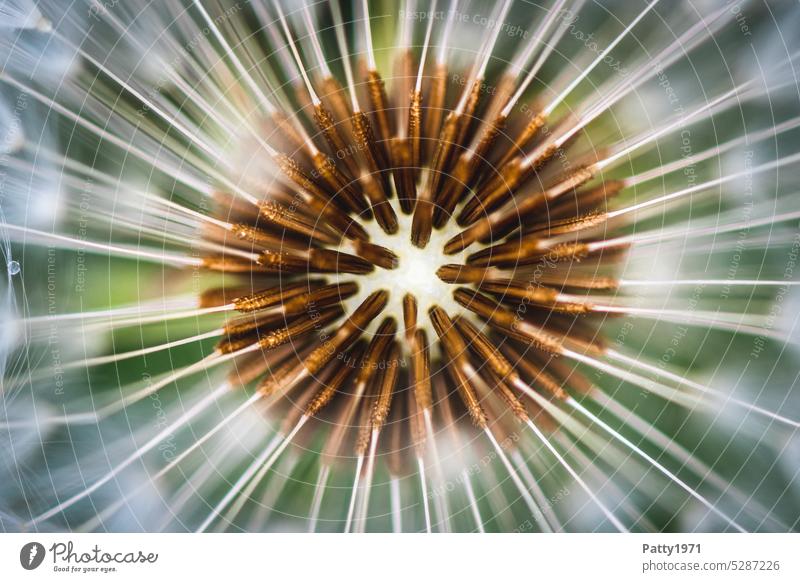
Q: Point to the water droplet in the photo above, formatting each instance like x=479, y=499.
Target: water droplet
x=13, y=268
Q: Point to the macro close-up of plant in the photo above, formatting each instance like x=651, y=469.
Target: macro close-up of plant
x=400, y=266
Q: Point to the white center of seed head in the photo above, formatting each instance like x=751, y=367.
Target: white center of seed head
x=415, y=274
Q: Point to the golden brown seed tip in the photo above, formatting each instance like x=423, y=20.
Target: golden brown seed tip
x=493, y=193
x=352, y=328
x=422, y=222
x=322, y=297
x=328, y=261
x=523, y=139
x=381, y=208
x=382, y=337
x=332, y=386
x=485, y=349
x=293, y=221
x=380, y=107
x=218, y=296
x=371, y=307
x=530, y=293
x=376, y=254
x=232, y=265
x=272, y=296
x=458, y=274
x=270, y=339
x=410, y=314
x=415, y=127
x=291, y=169
x=512, y=400
x=333, y=93
x=345, y=191
x=327, y=126
x=441, y=322
x=536, y=374
x=468, y=396
x=574, y=224
x=569, y=251
x=404, y=173
x=485, y=307
x=579, y=282
x=421, y=370
x=380, y=410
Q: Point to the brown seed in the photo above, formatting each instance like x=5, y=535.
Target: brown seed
x=332, y=386
x=410, y=314
x=347, y=333
x=507, y=320
x=380, y=410
x=362, y=383
x=346, y=191
x=452, y=191
x=286, y=129
x=272, y=296
x=422, y=221
x=434, y=112
x=376, y=254
x=522, y=140
x=415, y=130
x=264, y=239
x=280, y=215
x=536, y=375
x=219, y=296
x=463, y=273
x=271, y=339
x=327, y=125
x=493, y=193
x=509, y=218
x=421, y=370
x=380, y=109
x=233, y=265
x=250, y=367
x=404, y=174
x=292, y=170
x=458, y=365
x=507, y=395
x=328, y=261
x=444, y=151
x=335, y=96
x=368, y=148
x=321, y=297
x=485, y=349
x=585, y=200
x=381, y=340
x=381, y=208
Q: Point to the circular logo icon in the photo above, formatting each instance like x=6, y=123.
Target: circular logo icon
x=31, y=555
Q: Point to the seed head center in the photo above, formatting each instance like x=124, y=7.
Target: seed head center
x=415, y=272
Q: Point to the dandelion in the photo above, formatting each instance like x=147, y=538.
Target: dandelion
x=378, y=266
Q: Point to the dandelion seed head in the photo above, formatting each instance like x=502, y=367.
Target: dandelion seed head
x=348, y=266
